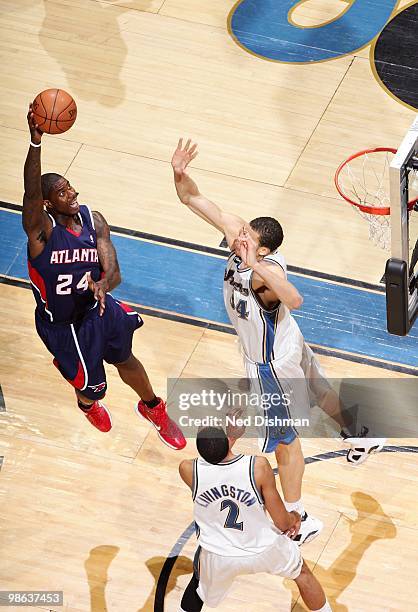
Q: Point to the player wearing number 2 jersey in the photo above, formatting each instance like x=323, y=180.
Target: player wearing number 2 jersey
x=259, y=300
x=72, y=267
x=231, y=494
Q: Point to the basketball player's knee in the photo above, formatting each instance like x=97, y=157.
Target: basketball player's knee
x=129, y=364
x=289, y=453
x=82, y=397
x=305, y=576
x=97, y=394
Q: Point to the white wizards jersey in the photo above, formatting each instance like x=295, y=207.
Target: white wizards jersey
x=228, y=509
x=265, y=335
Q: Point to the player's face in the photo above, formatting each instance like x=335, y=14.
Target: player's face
x=254, y=235
x=63, y=198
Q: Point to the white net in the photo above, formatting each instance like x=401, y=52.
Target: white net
x=365, y=179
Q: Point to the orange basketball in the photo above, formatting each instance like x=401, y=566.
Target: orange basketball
x=54, y=110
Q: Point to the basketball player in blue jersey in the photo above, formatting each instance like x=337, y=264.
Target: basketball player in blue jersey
x=259, y=298
x=72, y=267
x=231, y=494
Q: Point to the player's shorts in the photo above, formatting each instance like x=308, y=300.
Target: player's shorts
x=317, y=382
x=289, y=387
x=80, y=348
x=216, y=573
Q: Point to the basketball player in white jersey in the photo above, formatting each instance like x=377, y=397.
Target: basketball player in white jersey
x=258, y=298
x=231, y=494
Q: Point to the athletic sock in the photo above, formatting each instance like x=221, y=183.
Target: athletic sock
x=152, y=403
x=325, y=608
x=84, y=407
x=297, y=506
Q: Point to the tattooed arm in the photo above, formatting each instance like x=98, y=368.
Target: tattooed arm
x=108, y=260
x=35, y=222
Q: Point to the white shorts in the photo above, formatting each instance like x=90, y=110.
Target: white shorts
x=216, y=573
x=299, y=379
x=317, y=382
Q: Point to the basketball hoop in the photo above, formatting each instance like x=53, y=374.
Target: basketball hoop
x=363, y=181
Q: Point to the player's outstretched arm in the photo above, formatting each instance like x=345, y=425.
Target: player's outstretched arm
x=268, y=278
x=108, y=261
x=288, y=522
x=34, y=219
x=189, y=194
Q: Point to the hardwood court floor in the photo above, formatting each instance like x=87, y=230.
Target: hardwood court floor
x=96, y=515
x=271, y=135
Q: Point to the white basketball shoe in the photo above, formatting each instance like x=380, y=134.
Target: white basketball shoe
x=361, y=447
x=310, y=528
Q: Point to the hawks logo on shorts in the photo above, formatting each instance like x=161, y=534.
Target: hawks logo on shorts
x=97, y=388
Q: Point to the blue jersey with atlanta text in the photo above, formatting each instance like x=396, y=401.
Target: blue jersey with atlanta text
x=59, y=274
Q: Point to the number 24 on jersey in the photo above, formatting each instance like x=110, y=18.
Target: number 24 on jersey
x=65, y=281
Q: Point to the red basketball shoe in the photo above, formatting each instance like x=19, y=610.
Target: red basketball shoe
x=167, y=430
x=99, y=416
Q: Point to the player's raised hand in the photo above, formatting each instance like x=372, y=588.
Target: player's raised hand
x=235, y=429
x=246, y=248
x=182, y=156
x=99, y=289
x=35, y=132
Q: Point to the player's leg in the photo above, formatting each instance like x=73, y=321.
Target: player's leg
x=311, y=591
x=120, y=325
x=150, y=406
x=133, y=373
x=283, y=440
x=283, y=558
x=324, y=396
x=291, y=467
x=75, y=357
x=90, y=383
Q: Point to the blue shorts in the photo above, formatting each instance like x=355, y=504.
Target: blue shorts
x=274, y=434
x=80, y=348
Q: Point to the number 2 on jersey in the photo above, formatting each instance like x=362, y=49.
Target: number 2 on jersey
x=233, y=513
x=64, y=282
x=241, y=307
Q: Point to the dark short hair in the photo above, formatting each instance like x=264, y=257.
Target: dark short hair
x=48, y=180
x=269, y=230
x=212, y=444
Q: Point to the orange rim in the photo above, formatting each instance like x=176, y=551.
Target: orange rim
x=371, y=210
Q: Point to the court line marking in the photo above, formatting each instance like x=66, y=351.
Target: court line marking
x=228, y=329
x=305, y=62
x=2, y=402
x=221, y=252
x=174, y=553
x=2, y=409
